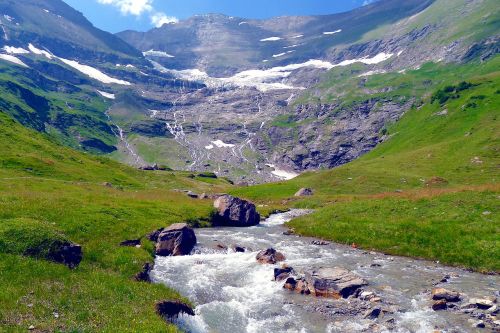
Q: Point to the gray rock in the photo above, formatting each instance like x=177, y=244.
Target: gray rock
x=304, y=192
x=439, y=305
x=373, y=313
x=282, y=273
x=176, y=240
x=447, y=295
x=333, y=282
x=233, y=211
x=269, y=256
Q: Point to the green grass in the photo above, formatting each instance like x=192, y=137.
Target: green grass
x=430, y=158
x=450, y=228
x=49, y=193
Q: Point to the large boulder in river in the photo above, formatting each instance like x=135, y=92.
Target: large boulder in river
x=236, y=212
x=175, y=240
x=270, y=256
x=333, y=282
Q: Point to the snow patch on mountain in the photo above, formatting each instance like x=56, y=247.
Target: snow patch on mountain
x=282, y=54
x=12, y=59
x=93, y=72
x=332, y=32
x=15, y=50
x=265, y=79
x=106, y=95
x=367, y=61
x=222, y=144
x=271, y=39
x=155, y=53
x=8, y=18
x=37, y=51
x=282, y=174
x=298, y=36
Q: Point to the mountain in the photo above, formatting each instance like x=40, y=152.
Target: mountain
x=54, y=25
x=278, y=116
x=222, y=45
x=252, y=100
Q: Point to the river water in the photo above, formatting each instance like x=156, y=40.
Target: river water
x=234, y=293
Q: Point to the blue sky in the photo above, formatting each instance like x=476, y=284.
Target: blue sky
x=118, y=15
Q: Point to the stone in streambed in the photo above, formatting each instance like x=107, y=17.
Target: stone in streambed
x=282, y=273
x=440, y=305
x=447, y=295
x=236, y=212
x=269, y=256
x=333, y=282
x=176, y=240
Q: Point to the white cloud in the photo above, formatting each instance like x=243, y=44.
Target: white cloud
x=139, y=7
x=132, y=7
x=159, y=19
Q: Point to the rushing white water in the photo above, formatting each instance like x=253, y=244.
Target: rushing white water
x=234, y=293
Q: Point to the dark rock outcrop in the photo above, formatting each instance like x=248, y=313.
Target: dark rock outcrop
x=66, y=253
x=176, y=240
x=282, y=273
x=439, y=305
x=233, y=211
x=131, y=242
x=143, y=276
x=269, y=256
x=170, y=310
x=153, y=236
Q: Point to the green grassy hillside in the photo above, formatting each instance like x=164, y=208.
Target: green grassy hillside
x=50, y=192
x=431, y=189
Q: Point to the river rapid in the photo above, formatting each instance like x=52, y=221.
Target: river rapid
x=234, y=293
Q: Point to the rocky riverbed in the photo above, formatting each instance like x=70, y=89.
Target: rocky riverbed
x=235, y=293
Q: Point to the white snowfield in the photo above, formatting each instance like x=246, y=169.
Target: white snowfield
x=37, y=51
x=298, y=36
x=106, y=95
x=332, y=32
x=92, y=72
x=155, y=53
x=282, y=54
x=265, y=79
x=209, y=147
x=15, y=50
x=271, y=39
x=282, y=174
x=222, y=144
x=12, y=59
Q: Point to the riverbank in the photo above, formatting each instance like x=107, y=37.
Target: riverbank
x=235, y=293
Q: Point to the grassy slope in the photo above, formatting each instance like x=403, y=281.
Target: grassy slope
x=372, y=201
x=62, y=191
